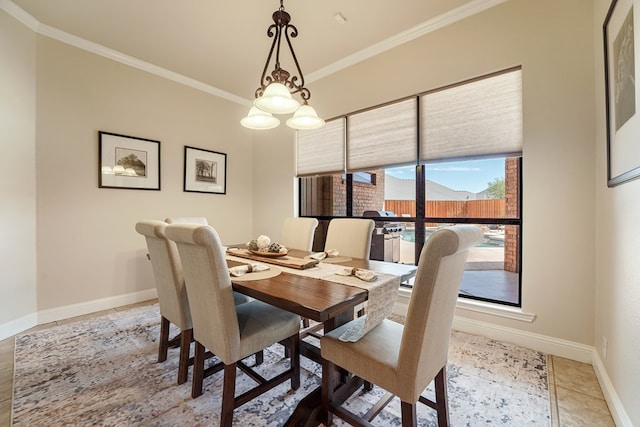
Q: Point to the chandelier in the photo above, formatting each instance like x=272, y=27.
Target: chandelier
x=274, y=96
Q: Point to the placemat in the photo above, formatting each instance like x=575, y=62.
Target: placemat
x=258, y=275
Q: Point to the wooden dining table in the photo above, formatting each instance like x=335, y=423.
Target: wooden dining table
x=320, y=300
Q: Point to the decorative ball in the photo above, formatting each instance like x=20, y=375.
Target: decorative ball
x=263, y=242
x=253, y=245
x=274, y=247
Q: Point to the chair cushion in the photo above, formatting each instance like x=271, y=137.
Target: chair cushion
x=373, y=357
x=262, y=324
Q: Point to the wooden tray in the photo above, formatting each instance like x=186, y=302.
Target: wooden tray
x=284, y=261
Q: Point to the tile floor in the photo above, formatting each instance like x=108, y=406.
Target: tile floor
x=576, y=398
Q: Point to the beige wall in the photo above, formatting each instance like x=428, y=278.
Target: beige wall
x=17, y=177
x=617, y=293
x=87, y=247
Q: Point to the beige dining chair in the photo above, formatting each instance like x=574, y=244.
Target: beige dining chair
x=172, y=294
x=231, y=332
x=404, y=359
x=350, y=236
x=298, y=233
x=187, y=220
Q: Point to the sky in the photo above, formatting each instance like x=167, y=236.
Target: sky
x=471, y=175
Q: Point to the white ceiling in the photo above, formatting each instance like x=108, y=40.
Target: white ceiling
x=223, y=46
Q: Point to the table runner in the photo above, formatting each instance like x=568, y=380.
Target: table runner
x=382, y=294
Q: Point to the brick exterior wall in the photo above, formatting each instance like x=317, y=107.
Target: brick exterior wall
x=365, y=196
x=511, y=211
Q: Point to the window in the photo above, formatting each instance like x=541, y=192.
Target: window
x=459, y=162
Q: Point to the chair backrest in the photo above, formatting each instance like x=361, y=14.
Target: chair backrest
x=350, y=236
x=425, y=340
x=297, y=233
x=167, y=271
x=206, y=275
x=187, y=220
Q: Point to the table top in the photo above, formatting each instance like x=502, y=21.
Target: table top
x=316, y=299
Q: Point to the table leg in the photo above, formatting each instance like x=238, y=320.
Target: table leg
x=308, y=413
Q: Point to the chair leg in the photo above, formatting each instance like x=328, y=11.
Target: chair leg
x=228, y=395
x=305, y=322
x=259, y=357
x=185, y=346
x=409, y=418
x=442, y=405
x=163, y=347
x=295, y=361
x=198, y=370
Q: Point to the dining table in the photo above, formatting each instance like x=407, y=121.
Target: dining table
x=326, y=300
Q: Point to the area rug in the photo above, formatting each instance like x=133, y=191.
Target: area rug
x=103, y=372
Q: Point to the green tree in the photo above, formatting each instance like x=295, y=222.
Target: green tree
x=496, y=188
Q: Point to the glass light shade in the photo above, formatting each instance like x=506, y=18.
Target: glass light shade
x=119, y=170
x=305, y=118
x=259, y=120
x=277, y=99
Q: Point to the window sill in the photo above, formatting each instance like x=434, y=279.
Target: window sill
x=482, y=307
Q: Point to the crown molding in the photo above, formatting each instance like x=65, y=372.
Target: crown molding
x=420, y=30
x=18, y=13
x=56, y=34
x=413, y=33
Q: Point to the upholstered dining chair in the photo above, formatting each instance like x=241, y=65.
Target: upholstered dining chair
x=231, y=332
x=350, y=236
x=187, y=220
x=172, y=294
x=404, y=359
x=298, y=233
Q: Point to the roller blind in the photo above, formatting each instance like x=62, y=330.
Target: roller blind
x=321, y=151
x=383, y=136
x=481, y=118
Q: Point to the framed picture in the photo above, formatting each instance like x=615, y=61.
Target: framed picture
x=128, y=162
x=621, y=92
x=205, y=171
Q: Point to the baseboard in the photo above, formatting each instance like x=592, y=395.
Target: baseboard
x=16, y=326
x=546, y=344
x=550, y=345
x=73, y=310
x=616, y=408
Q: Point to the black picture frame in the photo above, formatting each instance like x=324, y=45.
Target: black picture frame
x=205, y=171
x=621, y=93
x=128, y=162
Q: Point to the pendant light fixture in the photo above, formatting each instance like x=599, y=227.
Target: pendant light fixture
x=275, y=94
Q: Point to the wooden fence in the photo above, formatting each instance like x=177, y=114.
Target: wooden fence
x=489, y=208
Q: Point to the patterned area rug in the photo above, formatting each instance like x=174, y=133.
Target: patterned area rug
x=103, y=372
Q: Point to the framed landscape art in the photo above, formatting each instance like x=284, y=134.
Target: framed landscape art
x=621, y=92
x=205, y=171
x=128, y=162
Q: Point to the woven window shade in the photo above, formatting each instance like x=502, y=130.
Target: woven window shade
x=321, y=151
x=382, y=137
x=482, y=118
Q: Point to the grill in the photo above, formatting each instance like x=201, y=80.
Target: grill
x=385, y=241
